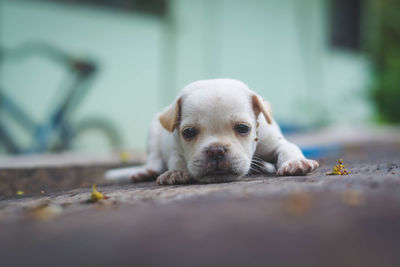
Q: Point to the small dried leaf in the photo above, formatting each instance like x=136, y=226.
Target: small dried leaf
x=339, y=169
x=96, y=195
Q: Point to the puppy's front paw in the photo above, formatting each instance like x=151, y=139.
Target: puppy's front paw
x=143, y=174
x=297, y=167
x=174, y=177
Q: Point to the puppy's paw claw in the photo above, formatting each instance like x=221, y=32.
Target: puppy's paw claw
x=173, y=177
x=145, y=174
x=297, y=167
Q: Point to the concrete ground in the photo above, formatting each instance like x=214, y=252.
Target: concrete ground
x=313, y=220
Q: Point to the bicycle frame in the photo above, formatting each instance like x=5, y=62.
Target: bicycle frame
x=56, y=127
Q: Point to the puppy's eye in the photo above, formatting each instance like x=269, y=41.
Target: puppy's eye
x=189, y=133
x=242, y=129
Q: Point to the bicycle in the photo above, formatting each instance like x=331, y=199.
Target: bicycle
x=57, y=132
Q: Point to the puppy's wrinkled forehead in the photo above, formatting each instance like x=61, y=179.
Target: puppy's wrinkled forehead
x=215, y=100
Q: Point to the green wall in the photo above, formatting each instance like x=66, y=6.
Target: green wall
x=279, y=48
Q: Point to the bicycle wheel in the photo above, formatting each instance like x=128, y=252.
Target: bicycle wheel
x=95, y=134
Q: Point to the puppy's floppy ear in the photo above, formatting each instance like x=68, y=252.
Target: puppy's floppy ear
x=170, y=117
x=261, y=106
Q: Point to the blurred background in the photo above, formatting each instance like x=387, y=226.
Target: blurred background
x=89, y=75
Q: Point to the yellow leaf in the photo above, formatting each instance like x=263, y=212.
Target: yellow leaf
x=339, y=169
x=96, y=195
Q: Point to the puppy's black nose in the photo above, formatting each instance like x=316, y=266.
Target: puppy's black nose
x=216, y=152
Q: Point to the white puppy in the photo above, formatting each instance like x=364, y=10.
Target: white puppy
x=215, y=131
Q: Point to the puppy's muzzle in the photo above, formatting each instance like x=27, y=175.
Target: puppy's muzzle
x=216, y=152
x=217, y=161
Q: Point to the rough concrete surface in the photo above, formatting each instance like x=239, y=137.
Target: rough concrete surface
x=313, y=220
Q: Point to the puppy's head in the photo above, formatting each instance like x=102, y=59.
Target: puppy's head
x=215, y=126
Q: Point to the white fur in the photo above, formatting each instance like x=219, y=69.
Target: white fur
x=214, y=107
